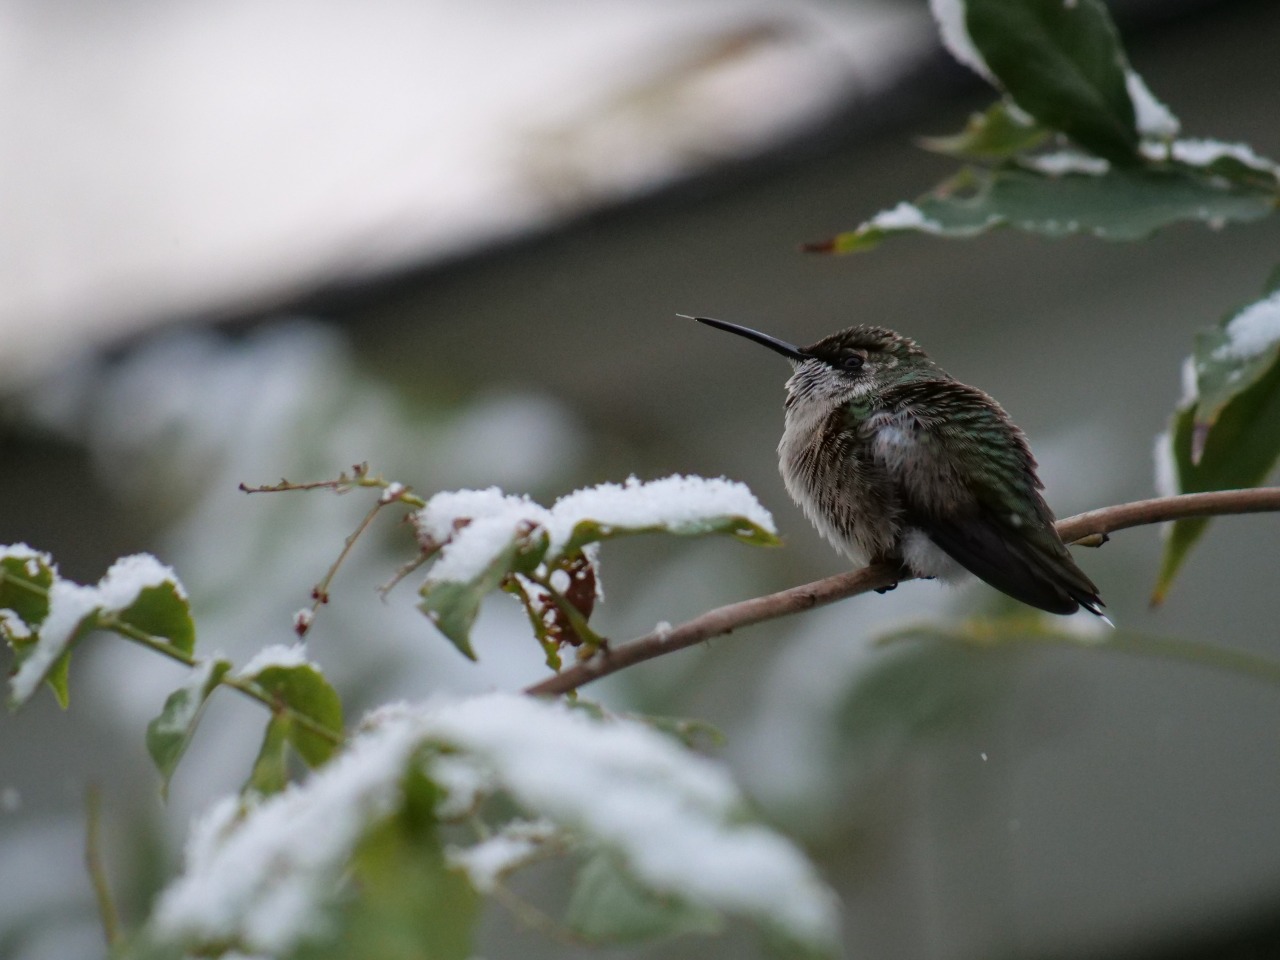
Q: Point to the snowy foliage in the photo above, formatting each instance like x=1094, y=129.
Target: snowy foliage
x=260, y=876
x=74, y=608
x=475, y=526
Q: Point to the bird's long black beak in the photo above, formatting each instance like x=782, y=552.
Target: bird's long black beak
x=788, y=350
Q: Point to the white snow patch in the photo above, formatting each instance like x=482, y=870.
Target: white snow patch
x=1190, y=383
x=13, y=626
x=670, y=502
x=905, y=216
x=1153, y=118
x=1252, y=331
x=1166, y=466
x=34, y=558
x=260, y=875
x=491, y=859
x=70, y=603
x=1201, y=153
x=276, y=655
x=1068, y=161
x=950, y=16
x=493, y=518
x=464, y=786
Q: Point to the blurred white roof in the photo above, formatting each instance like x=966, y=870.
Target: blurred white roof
x=169, y=159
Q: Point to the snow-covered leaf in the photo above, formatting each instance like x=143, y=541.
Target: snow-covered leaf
x=1118, y=204
x=1063, y=64
x=169, y=733
x=1225, y=433
x=685, y=506
x=452, y=605
x=478, y=538
x=138, y=594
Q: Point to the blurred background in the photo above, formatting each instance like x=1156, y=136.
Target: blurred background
x=247, y=240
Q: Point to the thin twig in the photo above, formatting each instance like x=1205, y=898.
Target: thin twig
x=320, y=592
x=726, y=619
x=360, y=477
x=107, y=913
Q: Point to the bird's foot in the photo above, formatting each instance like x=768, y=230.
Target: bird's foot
x=892, y=586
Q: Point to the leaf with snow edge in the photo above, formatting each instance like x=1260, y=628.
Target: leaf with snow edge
x=134, y=588
x=1152, y=117
x=734, y=525
x=1115, y=205
x=1063, y=64
x=1226, y=433
x=169, y=733
x=608, y=907
x=71, y=616
x=453, y=605
x=995, y=134
x=681, y=505
x=304, y=690
x=1237, y=162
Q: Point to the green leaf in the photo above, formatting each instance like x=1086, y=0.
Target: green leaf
x=608, y=906
x=995, y=134
x=59, y=676
x=304, y=690
x=592, y=531
x=1228, y=436
x=1116, y=205
x=162, y=611
x=270, y=771
x=169, y=733
x=1063, y=64
x=453, y=605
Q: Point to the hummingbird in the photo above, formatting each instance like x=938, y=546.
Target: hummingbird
x=893, y=460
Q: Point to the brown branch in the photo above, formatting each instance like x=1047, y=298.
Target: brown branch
x=726, y=619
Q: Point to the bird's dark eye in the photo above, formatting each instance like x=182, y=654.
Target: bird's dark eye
x=852, y=362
